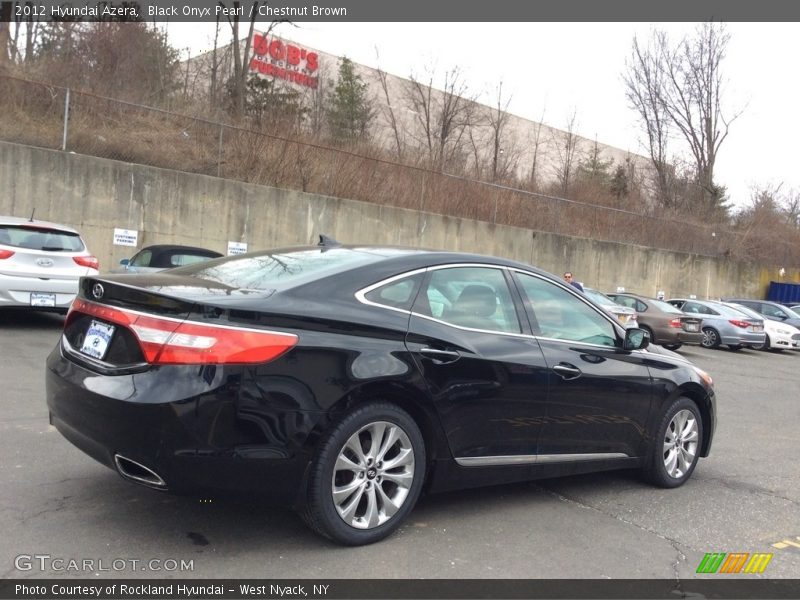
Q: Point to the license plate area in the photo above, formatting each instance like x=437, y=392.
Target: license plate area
x=692, y=327
x=40, y=300
x=98, y=338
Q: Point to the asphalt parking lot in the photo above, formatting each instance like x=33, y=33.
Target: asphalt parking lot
x=57, y=502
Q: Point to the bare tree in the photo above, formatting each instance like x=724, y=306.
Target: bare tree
x=536, y=142
x=498, y=121
x=443, y=116
x=241, y=68
x=567, y=146
x=687, y=86
x=389, y=115
x=643, y=81
x=6, y=50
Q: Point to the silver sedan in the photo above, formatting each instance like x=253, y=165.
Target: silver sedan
x=723, y=325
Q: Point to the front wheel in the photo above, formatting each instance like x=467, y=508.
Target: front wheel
x=367, y=475
x=676, y=447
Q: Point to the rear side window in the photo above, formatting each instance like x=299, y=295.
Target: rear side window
x=396, y=294
x=40, y=238
x=471, y=297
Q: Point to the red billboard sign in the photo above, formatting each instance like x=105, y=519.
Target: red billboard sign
x=280, y=60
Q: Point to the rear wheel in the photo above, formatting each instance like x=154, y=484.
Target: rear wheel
x=765, y=346
x=710, y=338
x=367, y=475
x=677, y=445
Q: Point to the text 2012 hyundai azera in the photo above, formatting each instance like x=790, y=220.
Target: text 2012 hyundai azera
x=344, y=381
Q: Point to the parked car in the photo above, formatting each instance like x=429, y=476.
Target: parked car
x=626, y=316
x=151, y=259
x=345, y=380
x=665, y=324
x=771, y=310
x=41, y=263
x=724, y=325
x=779, y=335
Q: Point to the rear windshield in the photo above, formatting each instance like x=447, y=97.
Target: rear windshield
x=664, y=306
x=40, y=238
x=269, y=270
x=599, y=297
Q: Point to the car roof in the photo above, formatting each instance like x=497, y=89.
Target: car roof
x=4, y=220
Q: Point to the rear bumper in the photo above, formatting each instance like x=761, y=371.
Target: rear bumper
x=16, y=291
x=198, y=429
x=744, y=339
x=690, y=338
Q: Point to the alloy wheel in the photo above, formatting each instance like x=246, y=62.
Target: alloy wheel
x=680, y=444
x=710, y=338
x=373, y=475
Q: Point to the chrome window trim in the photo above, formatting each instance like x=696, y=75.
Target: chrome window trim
x=360, y=296
x=532, y=459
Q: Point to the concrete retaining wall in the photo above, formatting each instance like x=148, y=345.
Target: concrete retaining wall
x=96, y=195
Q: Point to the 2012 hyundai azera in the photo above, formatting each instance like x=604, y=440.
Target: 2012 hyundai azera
x=344, y=381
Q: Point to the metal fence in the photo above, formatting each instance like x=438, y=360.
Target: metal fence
x=59, y=118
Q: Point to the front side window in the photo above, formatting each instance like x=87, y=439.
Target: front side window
x=142, y=259
x=558, y=314
x=472, y=297
x=774, y=311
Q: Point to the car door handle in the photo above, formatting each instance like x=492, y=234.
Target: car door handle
x=567, y=371
x=440, y=356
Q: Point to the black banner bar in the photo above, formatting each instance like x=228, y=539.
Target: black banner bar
x=407, y=10
x=357, y=589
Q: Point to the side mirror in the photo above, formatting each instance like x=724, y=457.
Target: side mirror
x=125, y=262
x=635, y=339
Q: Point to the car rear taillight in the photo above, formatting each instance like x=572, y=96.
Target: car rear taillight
x=167, y=341
x=738, y=323
x=6, y=254
x=675, y=323
x=87, y=261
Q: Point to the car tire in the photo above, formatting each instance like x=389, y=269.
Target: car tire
x=672, y=346
x=710, y=338
x=649, y=332
x=765, y=346
x=677, y=444
x=353, y=497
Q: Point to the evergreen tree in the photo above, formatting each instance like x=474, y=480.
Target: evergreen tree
x=350, y=111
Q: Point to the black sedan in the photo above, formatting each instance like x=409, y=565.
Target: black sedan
x=345, y=381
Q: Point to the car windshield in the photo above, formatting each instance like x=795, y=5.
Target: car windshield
x=33, y=237
x=793, y=313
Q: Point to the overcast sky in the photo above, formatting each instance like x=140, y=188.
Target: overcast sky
x=557, y=68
